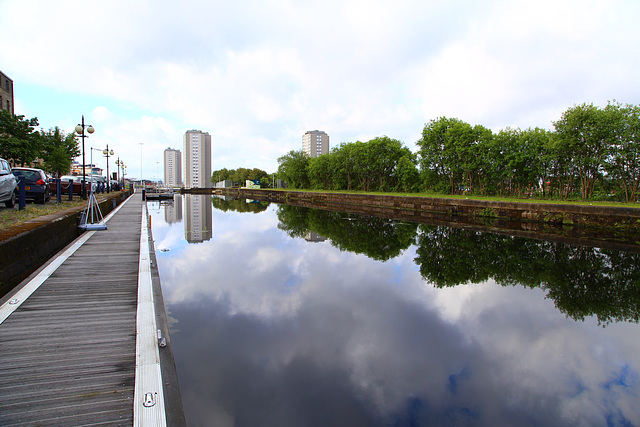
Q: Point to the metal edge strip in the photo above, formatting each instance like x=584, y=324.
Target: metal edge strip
x=148, y=405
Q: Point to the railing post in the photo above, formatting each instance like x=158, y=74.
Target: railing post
x=21, y=193
x=58, y=190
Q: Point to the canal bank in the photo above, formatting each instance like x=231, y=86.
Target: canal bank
x=606, y=226
x=566, y=214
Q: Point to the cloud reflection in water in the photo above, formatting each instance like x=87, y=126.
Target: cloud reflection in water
x=280, y=331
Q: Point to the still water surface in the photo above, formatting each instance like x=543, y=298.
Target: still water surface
x=286, y=316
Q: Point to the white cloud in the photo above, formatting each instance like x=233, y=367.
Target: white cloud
x=257, y=75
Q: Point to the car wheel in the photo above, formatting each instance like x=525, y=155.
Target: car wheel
x=12, y=201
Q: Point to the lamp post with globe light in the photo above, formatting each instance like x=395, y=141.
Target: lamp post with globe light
x=80, y=131
x=108, y=153
x=121, y=167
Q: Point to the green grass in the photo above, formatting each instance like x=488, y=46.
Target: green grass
x=476, y=197
x=13, y=217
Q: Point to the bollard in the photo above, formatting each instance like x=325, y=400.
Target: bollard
x=70, y=190
x=143, y=195
x=58, y=190
x=21, y=193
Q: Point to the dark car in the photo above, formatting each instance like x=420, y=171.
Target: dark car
x=36, y=185
x=76, y=182
x=8, y=184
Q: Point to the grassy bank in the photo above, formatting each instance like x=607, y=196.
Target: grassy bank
x=13, y=217
x=476, y=197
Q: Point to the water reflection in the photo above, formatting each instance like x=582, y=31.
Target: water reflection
x=274, y=330
x=378, y=238
x=173, y=210
x=225, y=204
x=582, y=281
x=198, y=224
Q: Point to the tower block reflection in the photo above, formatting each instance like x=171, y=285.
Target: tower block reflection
x=198, y=221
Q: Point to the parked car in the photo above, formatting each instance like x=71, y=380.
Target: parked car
x=35, y=184
x=77, y=184
x=8, y=184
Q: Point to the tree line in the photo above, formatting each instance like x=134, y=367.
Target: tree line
x=241, y=175
x=592, y=153
x=381, y=164
x=24, y=146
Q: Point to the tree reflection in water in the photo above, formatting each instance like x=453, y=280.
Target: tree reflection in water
x=582, y=281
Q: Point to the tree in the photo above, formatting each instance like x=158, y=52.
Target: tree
x=239, y=175
x=408, y=174
x=293, y=168
x=58, y=150
x=538, y=143
x=18, y=140
x=624, y=161
x=320, y=172
x=383, y=156
x=447, y=148
x=584, y=133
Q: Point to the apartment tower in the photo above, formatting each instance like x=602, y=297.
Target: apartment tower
x=196, y=159
x=315, y=143
x=172, y=168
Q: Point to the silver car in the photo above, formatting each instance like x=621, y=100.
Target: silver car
x=8, y=184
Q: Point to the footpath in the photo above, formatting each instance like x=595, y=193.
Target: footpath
x=84, y=339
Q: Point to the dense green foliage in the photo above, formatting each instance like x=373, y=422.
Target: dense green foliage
x=58, y=150
x=240, y=176
x=19, y=141
x=381, y=164
x=593, y=153
x=24, y=146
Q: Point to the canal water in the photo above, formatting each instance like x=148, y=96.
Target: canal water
x=288, y=316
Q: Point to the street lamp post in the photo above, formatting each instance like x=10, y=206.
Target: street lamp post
x=118, y=172
x=121, y=167
x=141, y=182
x=80, y=130
x=92, y=150
x=108, y=153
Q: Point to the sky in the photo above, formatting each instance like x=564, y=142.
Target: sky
x=257, y=75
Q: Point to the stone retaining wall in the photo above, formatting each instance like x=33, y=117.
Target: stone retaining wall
x=574, y=215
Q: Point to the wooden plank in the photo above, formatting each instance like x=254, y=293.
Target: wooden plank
x=68, y=352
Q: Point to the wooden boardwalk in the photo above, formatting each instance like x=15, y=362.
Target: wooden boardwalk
x=68, y=352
